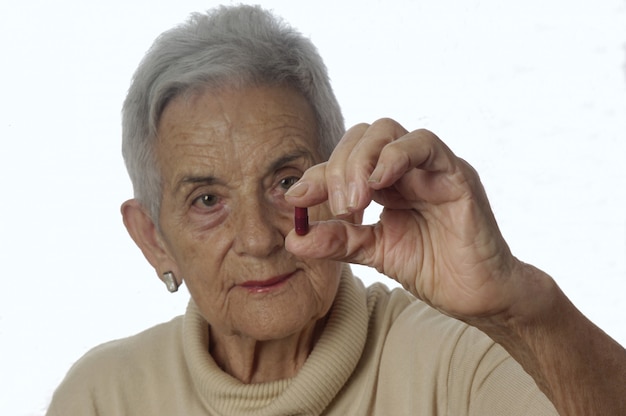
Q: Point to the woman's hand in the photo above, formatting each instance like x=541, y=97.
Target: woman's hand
x=436, y=236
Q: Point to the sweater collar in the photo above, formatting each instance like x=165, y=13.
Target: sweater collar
x=326, y=370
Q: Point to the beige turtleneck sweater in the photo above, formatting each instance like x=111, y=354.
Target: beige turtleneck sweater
x=382, y=353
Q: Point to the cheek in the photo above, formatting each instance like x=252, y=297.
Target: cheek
x=199, y=257
x=326, y=276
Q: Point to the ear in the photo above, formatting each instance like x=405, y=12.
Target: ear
x=144, y=232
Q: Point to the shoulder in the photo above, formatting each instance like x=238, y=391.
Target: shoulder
x=117, y=368
x=417, y=329
x=455, y=364
x=401, y=312
x=419, y=336
x=134, y=350
x=404, y=326
x=385, y=301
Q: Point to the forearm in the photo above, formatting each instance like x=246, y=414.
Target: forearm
x=578, y=366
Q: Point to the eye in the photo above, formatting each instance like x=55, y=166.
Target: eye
x=288, y=182
x=206, y=200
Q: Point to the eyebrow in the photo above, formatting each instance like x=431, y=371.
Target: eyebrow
x=290, y=157
x=205, y=180
x=275, y=165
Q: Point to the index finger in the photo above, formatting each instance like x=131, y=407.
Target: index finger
x=420, y=149
x=351, y=164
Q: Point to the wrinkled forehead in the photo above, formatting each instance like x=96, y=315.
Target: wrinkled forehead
x=234, y=126
x=234, y=106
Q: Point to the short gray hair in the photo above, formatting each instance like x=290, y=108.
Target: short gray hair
x=228, y=46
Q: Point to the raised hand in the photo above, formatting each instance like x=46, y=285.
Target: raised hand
x=436, y=236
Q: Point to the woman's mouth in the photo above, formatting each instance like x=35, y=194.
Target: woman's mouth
x=267, y=285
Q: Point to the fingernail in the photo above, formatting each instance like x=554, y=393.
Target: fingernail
x=339, y=203
x=377, y=175
x=353, y=195
x=298, y=189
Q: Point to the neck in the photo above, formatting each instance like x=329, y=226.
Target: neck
x=254, y=361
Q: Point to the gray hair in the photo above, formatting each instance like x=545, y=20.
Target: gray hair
x=228, y=46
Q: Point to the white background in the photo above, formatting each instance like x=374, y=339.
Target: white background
x=532, y=93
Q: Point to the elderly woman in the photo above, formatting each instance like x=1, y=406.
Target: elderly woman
x=229, y=123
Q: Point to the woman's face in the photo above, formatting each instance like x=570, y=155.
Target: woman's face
x=227, y=158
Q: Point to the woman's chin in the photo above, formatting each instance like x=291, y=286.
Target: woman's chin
x=276, y=326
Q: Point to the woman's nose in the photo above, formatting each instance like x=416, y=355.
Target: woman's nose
x=256, y=229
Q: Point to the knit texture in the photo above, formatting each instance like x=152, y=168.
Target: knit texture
x=381, y=353
x=324, y=373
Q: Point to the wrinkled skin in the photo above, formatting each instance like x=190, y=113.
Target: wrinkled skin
x=436, y=235
x=226, y=159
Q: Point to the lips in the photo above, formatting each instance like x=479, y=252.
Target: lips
x=266, y=285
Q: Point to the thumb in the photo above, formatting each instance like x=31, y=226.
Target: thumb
x=336, y=240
